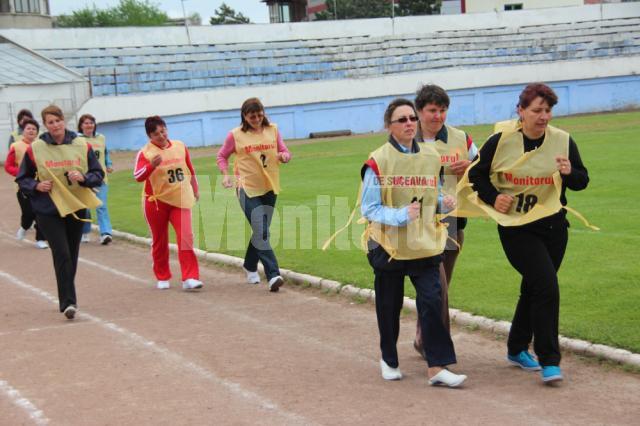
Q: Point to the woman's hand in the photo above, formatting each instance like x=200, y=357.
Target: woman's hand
x=227, y=181
x=503, y=203
x=459, y=167
x=413, y=211
x=156, y=161
x=44, y=186
x=563, y=165
x=109, y=169
x=75, y=176
x=449, y=202
x=284, y=157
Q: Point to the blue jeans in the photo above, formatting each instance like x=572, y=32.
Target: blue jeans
x=104, y=223
x=259, y=212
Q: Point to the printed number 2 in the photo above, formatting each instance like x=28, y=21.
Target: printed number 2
x=175, y=175
x=526, y=203
x=263, y=158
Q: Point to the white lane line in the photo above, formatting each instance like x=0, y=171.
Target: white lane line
x=23, y=403
x=113, y=271
x=176, y=359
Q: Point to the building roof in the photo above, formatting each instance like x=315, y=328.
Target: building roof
x=21, y=66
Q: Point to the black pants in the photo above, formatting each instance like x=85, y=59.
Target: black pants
x=27, y=216
x=389, y=286
x=63, y=235
x=259, y=212
x=536, y=253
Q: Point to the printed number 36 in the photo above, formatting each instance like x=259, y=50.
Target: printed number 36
x=175, y=175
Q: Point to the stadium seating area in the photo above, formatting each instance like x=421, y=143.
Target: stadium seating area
x=122, y=71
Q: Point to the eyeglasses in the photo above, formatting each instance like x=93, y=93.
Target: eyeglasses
x=403, y=120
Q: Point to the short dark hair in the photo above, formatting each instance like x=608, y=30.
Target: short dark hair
x=534, y=90
x=249, y=106
x=32, y=122
x=431, y=94
x=84, y=117
x=24, y=113
x=152, y=123
x=52, y=110
x=395, y=104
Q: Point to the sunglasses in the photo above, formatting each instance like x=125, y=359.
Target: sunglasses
x=403, y=120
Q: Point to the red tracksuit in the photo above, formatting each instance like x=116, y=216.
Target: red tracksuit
x=158, y=215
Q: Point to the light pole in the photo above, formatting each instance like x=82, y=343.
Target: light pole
x=335, y=10
x=186, y=25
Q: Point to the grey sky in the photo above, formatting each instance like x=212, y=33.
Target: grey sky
x=253, y=9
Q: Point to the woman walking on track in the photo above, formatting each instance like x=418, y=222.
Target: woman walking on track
x=12, y=165
x=259, y=151
x=520, y=181
x=170, y=191
x=57, y=174
x=400, y=197
x=87, y=127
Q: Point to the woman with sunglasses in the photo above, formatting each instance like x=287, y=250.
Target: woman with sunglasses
x=400, y=197
x=259, y=150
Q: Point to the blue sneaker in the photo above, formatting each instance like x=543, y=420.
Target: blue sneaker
x=524, y=360
x=551, y=373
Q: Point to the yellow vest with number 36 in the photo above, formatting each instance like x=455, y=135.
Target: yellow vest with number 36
x=171, y=180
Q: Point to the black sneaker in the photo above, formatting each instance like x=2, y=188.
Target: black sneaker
x=275, y=283
x=105, y=239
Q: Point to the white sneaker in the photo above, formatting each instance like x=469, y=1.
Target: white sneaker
x=21, y=233
x=105, y=239
x=447, y=378
x=275, y=283
x=252, y=277
x=42, y=244
x=390, y=373
x=163, y=285
x=191, y=284
x=70, y=311
x=85, y=238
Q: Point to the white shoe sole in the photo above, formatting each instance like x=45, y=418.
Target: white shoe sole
x=517, y=364
x=276, y=284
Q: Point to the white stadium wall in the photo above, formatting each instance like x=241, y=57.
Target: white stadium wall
x=479, y=94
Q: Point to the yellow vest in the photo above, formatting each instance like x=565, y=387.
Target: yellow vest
x=507, y=126
x=99, y=146
x=530, y=177
x=53, y=163
x=455, y=149
x=171, y=180
x=405, y=178
x=20, y=149
x=256, y=161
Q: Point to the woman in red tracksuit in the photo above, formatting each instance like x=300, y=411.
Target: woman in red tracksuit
x=170, y=191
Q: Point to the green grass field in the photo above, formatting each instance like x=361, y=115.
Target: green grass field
x=599, y=277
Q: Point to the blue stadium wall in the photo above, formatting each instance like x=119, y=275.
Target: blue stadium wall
x=468, y=106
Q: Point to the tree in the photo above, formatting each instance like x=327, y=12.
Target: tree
x=418, y=7
x=355, y=9
x=127, y=13
x=225, y=15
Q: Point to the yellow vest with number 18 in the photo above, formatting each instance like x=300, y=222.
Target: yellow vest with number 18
x=257, y=163
x=99, y=147
x=530, y=177
x=405, y=178
x=54, y=162
x=171, y=180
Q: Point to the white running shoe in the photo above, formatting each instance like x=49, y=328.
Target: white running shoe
x=191, y=284
x=163, y=285
x=252, y=277
x=275, y=283
x=447, y=378
x=389, y=373
x=42, y=244
x=85, y=238
x=21, y=233
x=70, y=311
x=105, y=239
